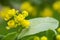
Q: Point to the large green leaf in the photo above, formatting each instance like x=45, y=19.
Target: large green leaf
x=40, y=25
x=10, y=36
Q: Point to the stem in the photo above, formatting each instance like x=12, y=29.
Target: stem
x=55, y=32
x=19, y=31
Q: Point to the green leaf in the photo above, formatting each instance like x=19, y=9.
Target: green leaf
x=10, y=36
x=40, y=25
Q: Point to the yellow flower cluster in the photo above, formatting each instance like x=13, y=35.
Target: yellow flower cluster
x=28, y=7
x=21, y=19
x=8, y=13
x=42, y=38
x=47, y=12
x=14, y=18
x=56, y=5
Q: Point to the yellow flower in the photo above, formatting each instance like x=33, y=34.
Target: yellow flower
x=6, y=14
x=58, y=37
x=56, y=5
x=33, y=13
x=12, y=12
x=6, y=17
x=47, y=12
x=19, y=18
x=26, y=6
x=25, y=13
x=11, y=24
x=58, y=30
x=25, y=23
x=44, y=38
x=36, y=38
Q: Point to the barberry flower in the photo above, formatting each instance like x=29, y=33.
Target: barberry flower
x=25, y=23
x=25, y=13
x=44, y=38
x=11, y=24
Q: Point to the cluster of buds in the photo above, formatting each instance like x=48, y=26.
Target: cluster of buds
x=14, y=18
